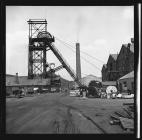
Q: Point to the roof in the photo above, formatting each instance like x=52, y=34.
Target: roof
x=24, y=81
x=109, y=83
x=131, y=46
x=125, y=45
x=114, y=56
x=129, y=75
x=10, y=75
x=105, y=65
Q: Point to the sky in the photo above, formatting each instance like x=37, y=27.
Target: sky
x=100, y=30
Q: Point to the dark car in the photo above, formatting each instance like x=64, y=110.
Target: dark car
x=18, y=93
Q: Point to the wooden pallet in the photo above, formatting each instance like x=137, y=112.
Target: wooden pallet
x=127, y=124
x=129, y=113
x=121, y=114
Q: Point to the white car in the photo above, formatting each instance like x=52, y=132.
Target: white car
x=119, y=95
x=128, y=96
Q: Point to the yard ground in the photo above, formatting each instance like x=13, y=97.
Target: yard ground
x=60, y=113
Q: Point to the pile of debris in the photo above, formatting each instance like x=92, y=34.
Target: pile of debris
x=124, y=118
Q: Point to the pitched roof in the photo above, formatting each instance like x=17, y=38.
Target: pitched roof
x=129, y=75
x=114, y=56
x=105, y=65
x=131, y=46
x=109, y=83
x=125, y=45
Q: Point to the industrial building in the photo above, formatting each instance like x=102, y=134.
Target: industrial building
x=119, y=65
x=109, y=70
x=41, y=73
x=126, y=83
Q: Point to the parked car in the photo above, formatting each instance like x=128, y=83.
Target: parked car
x=119, y=95
x=128, y=96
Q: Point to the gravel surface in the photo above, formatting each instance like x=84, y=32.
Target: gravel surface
x=59, y=113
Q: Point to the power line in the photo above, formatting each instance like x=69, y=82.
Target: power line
x=81, y=51
x=90, y=63
x=81, y=56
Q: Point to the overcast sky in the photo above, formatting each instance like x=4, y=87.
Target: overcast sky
x=100, y=30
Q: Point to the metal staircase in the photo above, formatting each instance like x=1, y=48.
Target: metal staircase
x=58, y=68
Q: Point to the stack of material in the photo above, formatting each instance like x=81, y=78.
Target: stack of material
x=124, y=118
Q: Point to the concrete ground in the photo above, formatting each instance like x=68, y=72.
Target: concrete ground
x=59, y=113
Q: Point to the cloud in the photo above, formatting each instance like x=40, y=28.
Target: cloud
x=128, y=13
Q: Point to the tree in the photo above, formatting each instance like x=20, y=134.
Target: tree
x=94, y=83
x=92, y=88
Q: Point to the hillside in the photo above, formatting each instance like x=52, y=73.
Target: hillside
x=86, y=80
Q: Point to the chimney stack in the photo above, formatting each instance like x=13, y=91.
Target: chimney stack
x=129, y=45
x=132, y=40
x=17, y=79
x=78, y=65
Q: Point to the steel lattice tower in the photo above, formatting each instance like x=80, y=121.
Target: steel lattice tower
x=37, y=49
x=40, y=41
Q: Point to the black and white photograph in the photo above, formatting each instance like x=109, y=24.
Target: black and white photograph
x=70, y=70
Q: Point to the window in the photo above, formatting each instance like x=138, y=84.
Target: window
x=125, y=84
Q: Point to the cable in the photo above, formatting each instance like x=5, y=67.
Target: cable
x=91, y=63
x=81, y=51
x=81, y=56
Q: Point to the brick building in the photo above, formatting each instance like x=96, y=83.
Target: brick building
x=125, y=60
x=120, y=64
x=109, y=70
